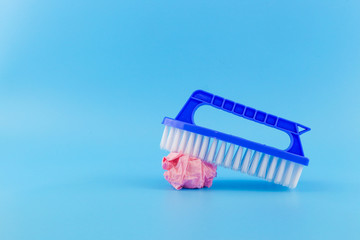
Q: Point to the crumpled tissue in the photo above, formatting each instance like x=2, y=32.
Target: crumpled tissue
x=184, y=171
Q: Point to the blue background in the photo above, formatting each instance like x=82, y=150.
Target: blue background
x=84, y=86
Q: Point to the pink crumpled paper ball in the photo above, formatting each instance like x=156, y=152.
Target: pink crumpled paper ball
x=184, y=171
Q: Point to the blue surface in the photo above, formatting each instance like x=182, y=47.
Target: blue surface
x=78, y=159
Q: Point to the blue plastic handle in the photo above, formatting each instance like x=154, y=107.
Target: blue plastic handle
x=200, y=97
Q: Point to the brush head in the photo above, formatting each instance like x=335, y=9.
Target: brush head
x=233, y=156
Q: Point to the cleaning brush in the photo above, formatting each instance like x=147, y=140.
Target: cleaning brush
x=274, y=165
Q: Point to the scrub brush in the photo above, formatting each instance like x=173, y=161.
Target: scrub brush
x=274, y=165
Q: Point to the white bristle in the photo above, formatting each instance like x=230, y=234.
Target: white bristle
x=229, y=155
x=271, y=170
x=263, y=166
x=280, y=172
x=190, y=144
x=296, y=175
x=170, y=138
x=254, y=163
x=175, y=144
x=288, y=173
x=221, y=154
x=164, y=137
x=211, y=153
x=246, y=161
x=204, y=147
x=196, y=149
x=237, y=158
x=183, y=141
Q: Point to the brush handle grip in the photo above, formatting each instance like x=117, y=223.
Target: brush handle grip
x=201, y=97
